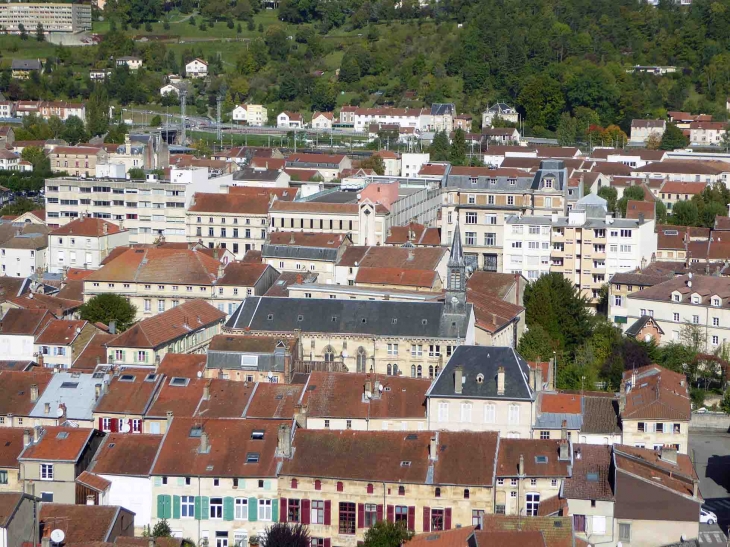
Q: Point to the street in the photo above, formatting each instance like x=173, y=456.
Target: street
x=712, y=462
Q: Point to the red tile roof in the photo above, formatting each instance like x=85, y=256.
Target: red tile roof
x=635, y=208
x=95, y=482
x=9, y=501
x=270, y=164
x=59, y=444
x=457, y=452
x=647, y=464
x=415, y=233
x=60, y=332
x=307, y=239
x=456, y=537
x=125, y=454
x=87, y=227
x=677, y=187
x=15, y=390
x=242, y=274
x=11, y=445
x=180, y=400
x=94, y=353
x=419, y=258
x=432, y=169
x=232, y=203
x=274, y=401
x=397, y=276
x=77, y=274
x=226, y=399
x=516, y=538
x=556, y=531
x=591, y=478
x=26, y=322
x=80, y=522
x=129, y=392
x=169, y=325
x=182, y=365
x=561, y=403
x=658, y=393
x=510, y=451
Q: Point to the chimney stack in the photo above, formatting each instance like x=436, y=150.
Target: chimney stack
x=284, y=441
x=521, y=466
x=104, y=228
x=46, y=541
x=532, y=378
x=97, y=391
x=433, y=448
x=564, y=430
x=169, y=418
x=500, y=381
x=300, y=416
x=695, y=488
x=37, y=434
x=26, y=437
x=204, y=446
x=206, y=391
x=47, y=408
x=221, y=270
x=90, y=499
x=668, y=454
x=33, y=393
x=458, y=379
x=538, y=378
x=564, y=450
x=112, y=327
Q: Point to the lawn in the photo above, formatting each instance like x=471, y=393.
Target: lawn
x=12, y=47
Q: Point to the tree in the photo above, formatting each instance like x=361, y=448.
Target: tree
x=162, y=529
x=40, y=35
x=567, y=130
x=685, y=213
x=277, y=42
x=324, y=96
x=135, y=173
x=653, y=141
x=632, y=193
x=74, y=131
x=23, y=33
x=673, y=138
x=457, y=152
x=387, y=534
x=283, y=534
x=536, y=344
x=107, y=307
x=97, y=111
x=156, y=121
x=374, y=162
x=693, y=337
x=610, y=194
x=36, y=156
x=439, y=149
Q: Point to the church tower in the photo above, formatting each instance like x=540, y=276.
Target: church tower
x=456, y=276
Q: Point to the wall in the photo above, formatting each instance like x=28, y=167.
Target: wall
x=22, y=528
x=632, y=435
x=710, y=420
x=374, y=424
x=521, y=430
x=62, y=485
x=602, y=508
x=653, y=533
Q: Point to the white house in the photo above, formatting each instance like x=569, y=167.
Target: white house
x=502, y=111
x=9, y=161
x=24, y=253
x=169, y=89
x=411, y=163
x=18, y=330
x=290, y=119
x=322, y=120
x=84, y=243
x=252, y=114
x=134, y=63
x=197, y=68
x=641, y=130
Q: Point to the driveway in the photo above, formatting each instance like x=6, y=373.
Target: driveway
x=711, y=452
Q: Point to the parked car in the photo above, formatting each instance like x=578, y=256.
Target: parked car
x=707, y=517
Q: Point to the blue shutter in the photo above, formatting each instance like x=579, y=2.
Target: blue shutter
x=227, y=508
x=253, y=509
x=205, y=508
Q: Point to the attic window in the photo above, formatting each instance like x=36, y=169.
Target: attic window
x=386, y=389
x=150, y=378
x=257, y=434
x=334, y=318
x=405, y=464
x=126, y=378
x=279, y=397
x=97, y=375
x=394, y=321
x=270, y=317
x=62, y=435
x=252, y=457
x=411, y=437
x=196, y=431
x=364, y=320
x=592, y=477
x=480, y=378
x=70, y=385
x=424, y=321
x=209, y=468
x=112, y=445
x=671, y=232
x=541, y=459
x=300, y=318
x=179, y=382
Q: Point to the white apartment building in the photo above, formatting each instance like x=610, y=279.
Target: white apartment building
x=641, y=130
x=55, y=17
x=252, y=114
x=706, y=133
x=527, y=246
x=25, y=251
x=83, y=243
x=149, y=209
x=411, y=164
x=402, y=117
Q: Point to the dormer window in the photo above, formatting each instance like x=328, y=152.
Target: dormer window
x=695, y=299
x=716, y=301
x=512, y=182
x=676, y=297
x=548, y=182
x=492, y=181
x=473, y=180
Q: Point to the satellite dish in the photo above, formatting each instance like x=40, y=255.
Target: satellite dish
x=59, y=412
x=380, y=388
x=200, y=374
x=57, y=535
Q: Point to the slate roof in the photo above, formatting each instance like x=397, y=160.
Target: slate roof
x=25, y=64
x=591, y=478
x=600, y=416
x=639, y=324
x=484, y=360
x=304, y=245
x=378, y=318
x=74, y=389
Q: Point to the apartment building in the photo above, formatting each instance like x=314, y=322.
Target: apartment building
x=672, y=192
x=708, y=172
x=480, y=199
x=401, y=117
x=63, y=110
x=706, y=133
x=55, y=17
x=78, y=160
x=149, y=209
x=589, y=246
x=252, y=114
x=642, y=130
x=83, y=243
x=527, y=245
x=23, y=249
x=237, y=221
x=305, y=253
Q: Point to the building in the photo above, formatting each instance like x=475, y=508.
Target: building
x=12, y=439
x=290, y=120
x=187, y=328
x=9, y=161
x=347, y=115
x=68, y=399
x=643, y=130
x=401, y=117
x=18, y=331
x=483, y=389
x=133, y=63
x=55, y=17
x=329, y=166
x=197, y=68
x=411, y=164
x=62, y=109
x=242, y=279
x=527, y=245
x=305, y=252
x=708, y=172
x=252, y=358
x=499, y=111
x=263, y=178
x=18, y=518
x=53, y=458
x=85, y=523
x=123, y=402
x=601, y=421
x=61, y=341
x=322, y=120
x=77, y=160
x=707, y=133
x=413, y=234
x=252, y=114
x=23, y=248
x=439, y=118
x=20, y=391
x=423, y=480
x=83, y=243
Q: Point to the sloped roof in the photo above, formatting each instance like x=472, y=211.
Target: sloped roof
x=659, y=394
x=58, y=444
x=155, y=265
x=124, y=454
x=87, y=227
x=591, y=477
x=24, y=322
x=510, y=451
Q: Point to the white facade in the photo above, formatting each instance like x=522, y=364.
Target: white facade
x=527, y=245
x=321, y=121
x=364, y=117
x=17, y=347
x=9, y=161
x=285, y=120
x=411, y=164
x=252, y=114
x=82, y=251
x=197, y=68
x=133, y=493
x=16, y=262
x=134, y=63
x=169, y=89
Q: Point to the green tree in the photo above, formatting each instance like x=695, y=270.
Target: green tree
x=107, y=307
x=23, y=33
x=162, y=529
x=673, y=138
x=567, y=131
x=284, y=534
x=40, y=35
x=136, y=173
x=632, y=193
x=277, y=42
x=439, y=149
x=725, y=403
x=97, y=111
x=74, y=131
x=387, y=534
x=457, y=151
x=36, y=156
x=375, y=163
x=324, y=96
x=685, y=213
x=536, y=344
x=610, y=194
x=156, y=121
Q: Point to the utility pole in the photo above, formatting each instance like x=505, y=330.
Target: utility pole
x=218, y=102
x=183, y=97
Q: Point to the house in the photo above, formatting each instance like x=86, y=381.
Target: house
x=69, y=396
x=500, y=111
x=62, y=109
x=18, y=330
x=23, y=248
x=483, y=389
x=242, y=279
x=642, y=130
x=347, y=115
x=186, y=328
x=251, y=358
x=601, y=421
x=439, y=118
x=391, y=162
x=12, y=441
x=18, y=512
x=498, y=321
x=424, y=481
x=126, y=462
x=502, y=135
x=86, y=523
x=322, y=120
x=257, y=177
x=60, y=341
x=134, y=63
x=21, y=69
x=102, y=74
x=463, y=122
x=707, y=133
x=170, y=89
x=290, y=120
x=20, y=391
x=557, y=415
x=123, y=402
x=252, y=114
x=9, y=161
x=197, y=68
x=305, y=252
x=78, y=160
x=84, y=242
x=54, y=457
x=689, y=171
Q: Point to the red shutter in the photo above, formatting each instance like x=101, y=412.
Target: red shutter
x=391, y=513
x=370, y=488
x=447, y=518
x=318, y=485
x=379, y=513
x=426, y=519
x=113, y=425
x=306, y=512
x=412, y=518
x=340, y=487
x=294, y=484
x=327, y=542
x=327, y=513
x=361, y=515
x=282, y=510
x=101, y=424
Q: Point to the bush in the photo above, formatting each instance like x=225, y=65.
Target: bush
x=697, y=396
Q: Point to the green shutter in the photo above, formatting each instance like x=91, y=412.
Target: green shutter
x=275, y=510
x=253, y=509
x=198, y=510
x=176, y=507
x=228, y=508
x=160, y=506
x=205, y=508
x=241, y=484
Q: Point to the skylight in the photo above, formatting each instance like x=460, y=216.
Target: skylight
x=126, y=378
x=179, y=382
x=541, y=459
x=252, y=457
x=257, y=434
x=69, y=385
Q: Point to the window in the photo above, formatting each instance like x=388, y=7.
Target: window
x=490, y=239
x=187, y=506
x=401, y=514
x=471, y=218
x=533, y=482
x=490, y=413
x=106, y=424
x=617, y=300
x=416, y=350
x=477, y=518
x=715, y=321
x=533, y=501
x=46, y=471
x=554, y=483
x=715, y=302
x=624, y=531
x=465, y=412
x=715, y=340
x=471, y=199
x=317, y=516
x=470, y=238
x=443, y=415
x=347, y=518
x=371, y=514
x=695, y=319
x=514, y=414
x=292, y=511
x=513, y=482
x=675, y=316
x=3, y=477
x=216, y=508
x=641, y=426
x=264, y=509
x=437, y=520
x=599, y=525
x=490, y=218
x=392, y=349
x=510, y=200
x=544, y=435
x=579, y=523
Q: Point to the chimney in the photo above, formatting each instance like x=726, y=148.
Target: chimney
x=458, y=379
x=564, y=450
x=37, y=434
x=97, y=391
x=564, y=430
x=521, y=466
x=40, y=360
x=151, y=542
x=90, y=499
x=500, y=381
x=411, y=255
x=206, y=391
x=169, y=418
x=104, y=228
x=47, y=408
x=204, y=445
x=668, y=454
x=433, y=448
x=300, y=416
x=532, y=378
x=33, y=393
x=61, y=413
x=577, y=454
x=695, y=488
x=538, y=378
x=46, y=541
x=26, y=437
x=112, y=327
x=221, y=270
x=291, y=239
x=300, y=279
x=283, y=446
x=551, y=374
x=641, y=219
x=368, y=389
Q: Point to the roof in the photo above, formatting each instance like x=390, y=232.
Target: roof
x=397, y=276
x=648, y=465
x=457, y=452
x=414, y=233
x=129, y=392
x=540, y=457
x=248, y=344
x=24, y=322
x=274, y=401
x=419, y=258
x=638, y=278
x=561, y=403
x=685, y=167
x=648, y=123
x=9, y=502
x=15, y=392
x=341, y=395
x=640, y=323
x=77, y=150
x=394, y=318
x=591, y=477
x=59, y=444
x=456, y=537
x=79, y=522
x=556, y=531
x=658, y=393
x=225, y=399
x=169, y=325
x=11, y=445
x=242, y=274
x=491, y=312
x=600, y=416
x=26, y=64
x=228, y=441
x=517, y=538
x=484, y=361
x=60, y=332
x=636, y=208
x=491, y=282
x=87, y=227
x=94, y=353
x=124, y=454
x=76, y=391
x=154, y=265
x=181, y=400
x=679, y=187
x=95, y=482
x=182, y=365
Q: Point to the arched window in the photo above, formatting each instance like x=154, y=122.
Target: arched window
x=362, y=359
x=430, y=371
x=466, y=493
x=395, y=369
x=419, y=371
x=329, y=354
x=413, y=371
x=437, y=370
x=390, y=370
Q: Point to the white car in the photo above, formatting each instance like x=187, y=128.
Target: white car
x=707, y=517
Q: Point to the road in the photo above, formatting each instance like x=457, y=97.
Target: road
x=712, y=462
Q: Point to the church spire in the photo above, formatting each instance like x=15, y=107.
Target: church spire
x=456, y=272
x=457, y=253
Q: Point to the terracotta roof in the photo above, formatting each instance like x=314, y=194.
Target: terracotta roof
x=95, y=482
x=274, y=401
x=126, y=541
x=611, y=168
x=44, y=302
x=716, y=126
x=306, y=239
x=635, y=208
x=59, y=444
x=60, y=332
x=182, y=365
x=280, y=286
x=684, y=167
x=722, y=223
x=491, y=282
x=510, y=451
x=419, y=258
x=11, y=445
x=677, y=187
x=591, y=478
x=129, y=393
x=125, y=454
x=557, y=151
x=552, y=506
x=544, y=368
x=457, y=452
x=414, y=233
x=76, y=150
x=491, y=313
x=303, y=175
x=561, y=403
x=397, y=276
x=647, y=464
x=300, y=157
x=252, y=255
x=456, y=537
x=249, y=344
x=26, y=322
x=659, y=393
x=517, y=538
x=432, y=169
x=600, y=416
x=228, y=440
x=181, y=400
x=226, y=399
x=232, y=203
x=340, y=395
x=169, y=325
x=94, y=353
x=556, y=531
x=87, y=227
x=15, y=390
x=242, y=274
x=79, y=522
x=9, y=501
x=270, y=164
x=638, y=278
x=182, y=266
x=77, y=274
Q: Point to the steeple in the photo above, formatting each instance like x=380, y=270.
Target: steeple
x=457, y=253
x=456, y=276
